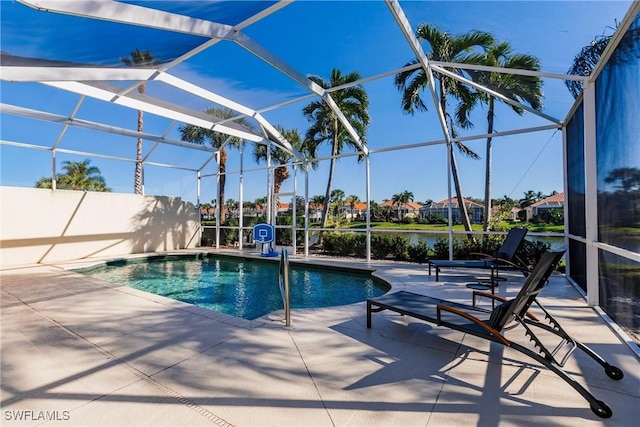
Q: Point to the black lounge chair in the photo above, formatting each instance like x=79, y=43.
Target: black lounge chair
x=508, y=315
x=505, y=256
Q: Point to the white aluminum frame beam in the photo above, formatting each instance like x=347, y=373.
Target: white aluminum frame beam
x=64, y=120
x=40, y=73
x=137, y=101
x=134, y=15
x=405, y=27
x=495, y=94
x=152, y=18
x=225, y=102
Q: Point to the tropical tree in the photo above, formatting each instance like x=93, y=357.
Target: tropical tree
x=352, y=200
x=281, y=172
x=353, y=101
x=217, y=140
x=447, y=48
x=375, y=211
x=139, y=59
x=524, y=89
x=316, y=201
x=530, y=197
x=387, y=211
x=402, y=199
x=406, y=197
x=204, y=210
x=584, y=63
x=261, y=201
x=395, y=201
x=232, y=205
x=77, y=176
x=337, y=201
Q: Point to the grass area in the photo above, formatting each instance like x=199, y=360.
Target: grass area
x=622, y=231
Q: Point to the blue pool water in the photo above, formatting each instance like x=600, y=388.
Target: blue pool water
x=237, y=286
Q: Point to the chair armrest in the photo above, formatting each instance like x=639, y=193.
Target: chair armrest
x=487, y=295
x=501, y=299
x=525, y=269
x=492, y=331
x=483, y=255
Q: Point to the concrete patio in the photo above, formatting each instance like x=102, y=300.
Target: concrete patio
x=78, y=351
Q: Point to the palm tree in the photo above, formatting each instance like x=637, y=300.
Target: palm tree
x=446, y=48
x=395, y=201
x=530, y=197
x=77, y=176
x=406, y=197
x=218, y=140
x=584, y=63
x=317, y=202
x=353, y=101
x=139, y=59
x=402, y=199
x=375, y=211
x=352, y=200
x=524, y=89
x=261, y=203
x=337, y=201
x=387, y=211
x=280, y=173
x=232, y=205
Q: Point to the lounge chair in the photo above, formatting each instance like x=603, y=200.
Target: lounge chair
x=510, y=315
x=505, y=256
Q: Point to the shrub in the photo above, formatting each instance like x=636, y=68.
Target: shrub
x=419, y=252
x=229, y=235
x=464, y=248
x=531, y=251
x=384, y=245
x=344, y=244
x=408, y=220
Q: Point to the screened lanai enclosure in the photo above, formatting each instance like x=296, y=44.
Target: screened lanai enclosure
x=202, y=117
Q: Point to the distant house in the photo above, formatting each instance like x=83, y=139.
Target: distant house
x=475, y=210
x=283, y=208
x=410, y=209
x=514, y=213
x=542, y=207
x=207, y=213
x=359, y=210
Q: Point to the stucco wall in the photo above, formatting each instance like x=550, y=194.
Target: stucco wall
x=44, y=226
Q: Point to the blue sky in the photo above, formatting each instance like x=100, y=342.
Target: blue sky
x=314, y=37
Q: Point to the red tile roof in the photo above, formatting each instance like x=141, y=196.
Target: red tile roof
x=556, y=199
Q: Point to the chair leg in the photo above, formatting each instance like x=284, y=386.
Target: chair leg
x=598, y=407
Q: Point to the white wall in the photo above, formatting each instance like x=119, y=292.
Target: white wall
x=44, y=226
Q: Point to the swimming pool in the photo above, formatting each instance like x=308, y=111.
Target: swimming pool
x=242, y=287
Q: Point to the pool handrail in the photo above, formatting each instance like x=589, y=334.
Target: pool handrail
x=283, y=282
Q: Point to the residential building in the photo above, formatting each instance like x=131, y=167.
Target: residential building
x=475, y=210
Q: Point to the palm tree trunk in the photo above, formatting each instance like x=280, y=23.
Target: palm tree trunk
x=223, y=180
x=462, y=208
x=327, y=194
x=487, y=181
x=280, y=174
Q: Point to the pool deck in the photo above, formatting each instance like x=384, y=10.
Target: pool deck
x=87, y=353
